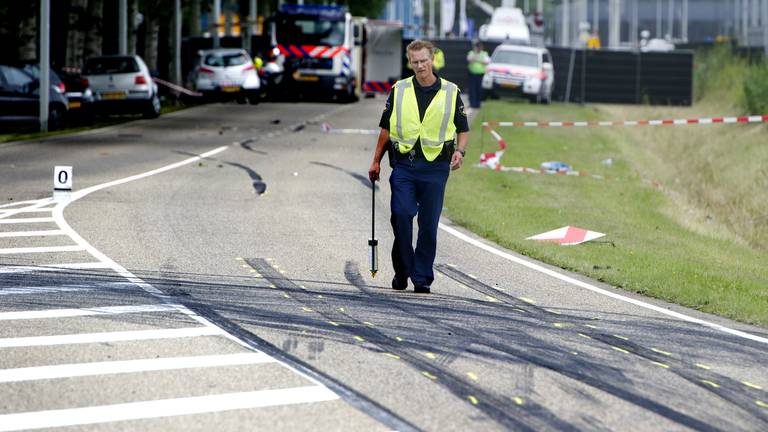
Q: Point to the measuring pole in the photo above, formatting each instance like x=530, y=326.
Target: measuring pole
x=122, y=27
x=214, y=24
x=373, y=244
x=565, y=28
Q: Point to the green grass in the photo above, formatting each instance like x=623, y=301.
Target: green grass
x=653, y=244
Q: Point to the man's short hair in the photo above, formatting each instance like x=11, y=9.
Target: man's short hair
x=419, y=44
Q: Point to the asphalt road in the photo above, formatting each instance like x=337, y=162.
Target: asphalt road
x=231, y=291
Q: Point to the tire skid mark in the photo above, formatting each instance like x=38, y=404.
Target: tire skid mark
x=726, y=388
x=547, y=362
x=497, y=409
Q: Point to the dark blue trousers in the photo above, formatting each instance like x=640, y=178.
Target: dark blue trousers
x=475, y=90
x=418, y=188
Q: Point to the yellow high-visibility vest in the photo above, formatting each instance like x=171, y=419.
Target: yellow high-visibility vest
x=436, y=128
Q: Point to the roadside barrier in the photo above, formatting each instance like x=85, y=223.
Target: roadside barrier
x=492, y=160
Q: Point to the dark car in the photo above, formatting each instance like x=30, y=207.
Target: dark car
x=20, y=100
x=79, y=94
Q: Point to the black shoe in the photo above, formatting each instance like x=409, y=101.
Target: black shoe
x=399, y=284
x=421, y=289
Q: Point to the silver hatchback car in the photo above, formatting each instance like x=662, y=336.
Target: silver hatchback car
x=122, y=84
x=226, y=73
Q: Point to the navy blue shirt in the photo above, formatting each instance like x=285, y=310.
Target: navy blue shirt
x=424, y=96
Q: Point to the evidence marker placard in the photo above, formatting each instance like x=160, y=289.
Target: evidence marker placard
x=62, y=178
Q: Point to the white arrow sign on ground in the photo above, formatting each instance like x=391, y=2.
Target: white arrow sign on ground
x=567, y=236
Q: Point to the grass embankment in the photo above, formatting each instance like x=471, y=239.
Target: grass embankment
x=684, y=208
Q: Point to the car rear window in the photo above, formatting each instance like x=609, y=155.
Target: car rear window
x=516, y=58
x=110, y=65
x=224, y=60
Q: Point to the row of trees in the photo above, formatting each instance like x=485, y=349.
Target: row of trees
x=82, y=28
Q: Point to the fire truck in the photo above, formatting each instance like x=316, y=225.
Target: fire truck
x=325, y=51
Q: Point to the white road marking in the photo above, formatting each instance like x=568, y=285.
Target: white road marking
x=54, y=267
x=18, y=203
x=35, y=207
x=585, y=285
x=27, y=220
x=134, y=335
x=41, y=249
x=108, y=310
x=164, y=408
x=131, y=366
x=45, y=290
x=32, y=233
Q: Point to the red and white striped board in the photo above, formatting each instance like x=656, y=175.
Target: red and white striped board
x=567, y=236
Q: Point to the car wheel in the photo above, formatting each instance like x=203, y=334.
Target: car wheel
x=153, y=108
x=254, y=99
x=55, y=118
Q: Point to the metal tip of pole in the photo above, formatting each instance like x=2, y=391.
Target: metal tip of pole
x=373, y=274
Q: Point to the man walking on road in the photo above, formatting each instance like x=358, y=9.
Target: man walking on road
x=425, y=125
x=477, y=59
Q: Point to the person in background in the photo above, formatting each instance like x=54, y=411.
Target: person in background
x=425, y=129
x=477, y=59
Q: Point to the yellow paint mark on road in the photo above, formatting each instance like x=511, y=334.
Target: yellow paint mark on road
x=399, y=339
x=244, y=265
x=574, y=353
x=491, y=299
x=519, y=310
x=656, y=350
x=703, y=366
x=281, y=271
x=270, y=259
x=518, y=400
x=621, y=350
x=272, y=285
x=590, y=326
x=359, y=339
x=239, y=258
x=553, y=311
x=429, y=375
x=333, y=323
x=286, y=295
x=302, y=287
x=394, y=356
x=252, y=271
x=585, y=336
x=430, y=355
x=558, y=325
x=664, y=365
x=306, y=309
x=710, y=383
x=472, y=376
x=472, y=399
x=368, y=324
x=342, y=309
x=472, y=276
x=754, y=386
x=621, y=337
x=319, y=296
x=761, y=404
x=527, y=300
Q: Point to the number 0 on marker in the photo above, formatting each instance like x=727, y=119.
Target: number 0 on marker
x=62, y=178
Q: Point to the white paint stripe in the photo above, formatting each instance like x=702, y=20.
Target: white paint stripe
x=32, y=233
x=109, y=337
x=43, y=290
x=107, y=310
x=164, y=408
x=27, y=209
x=41, y=249
x=26, y=220
x=564, y=278
x=131, y=366
x=19, y=203
x=54, y=267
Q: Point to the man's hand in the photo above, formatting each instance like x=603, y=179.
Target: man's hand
x=456, y=160
x=373, y=171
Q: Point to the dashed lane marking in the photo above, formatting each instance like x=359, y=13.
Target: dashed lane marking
x=109, y=310
x=656, y=350
x=518, y=400
x=703, y=366
x=164, y=408
x=711, y=383
x=103, y=337
x=130, y=366
x=473, y=400
x=754, y=386
x=761, y=404
x=472, y=376
x=429, y=375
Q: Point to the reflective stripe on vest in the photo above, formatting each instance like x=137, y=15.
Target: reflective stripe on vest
x=437, y=126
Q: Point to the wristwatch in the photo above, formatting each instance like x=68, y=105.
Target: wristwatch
x=463, y=152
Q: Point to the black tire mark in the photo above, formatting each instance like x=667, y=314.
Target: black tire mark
x=503, y=412
x=729, y=389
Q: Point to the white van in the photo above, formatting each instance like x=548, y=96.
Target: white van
x=507, y=25
x=520, y=70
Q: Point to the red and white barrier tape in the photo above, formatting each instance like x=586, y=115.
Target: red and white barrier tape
x=661, y=122
x=177, y=88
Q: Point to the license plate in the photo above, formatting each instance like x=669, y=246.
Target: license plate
x=113, y=95
x=230, y=89
x=73, y=105
x=510, y=85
